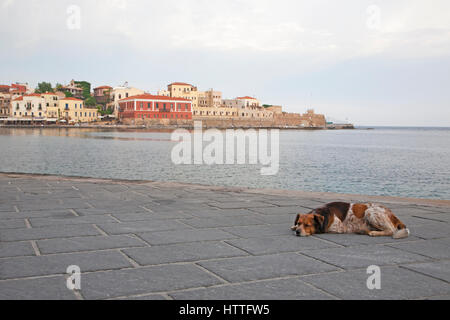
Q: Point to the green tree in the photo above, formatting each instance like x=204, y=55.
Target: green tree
x=44, y=87
x=68, y=94
x=90, y=101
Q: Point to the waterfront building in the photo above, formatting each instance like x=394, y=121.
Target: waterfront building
x=102, y=94
x=5, y=105
x=73, y=110
x=4, y=88
x=29, y=107
x=118, y=93
x=74, y=89
x=146, y=107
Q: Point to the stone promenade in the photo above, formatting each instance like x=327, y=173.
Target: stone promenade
x=149, y=240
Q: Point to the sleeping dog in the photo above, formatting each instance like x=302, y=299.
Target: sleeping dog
x=341, y=217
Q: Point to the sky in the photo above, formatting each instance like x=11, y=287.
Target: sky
x=377, y=62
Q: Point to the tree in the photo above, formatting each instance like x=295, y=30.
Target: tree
x=44, y=87
x=68, y=94
x=90, y=101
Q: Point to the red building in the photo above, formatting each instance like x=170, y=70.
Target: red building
x=147, y=106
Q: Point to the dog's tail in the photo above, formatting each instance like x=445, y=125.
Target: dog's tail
x=401, y=232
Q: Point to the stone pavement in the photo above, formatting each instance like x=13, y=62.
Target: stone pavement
x=149, y=240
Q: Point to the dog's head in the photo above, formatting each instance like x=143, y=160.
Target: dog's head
x=308, y=224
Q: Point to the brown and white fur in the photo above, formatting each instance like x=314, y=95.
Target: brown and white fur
x=342, y=217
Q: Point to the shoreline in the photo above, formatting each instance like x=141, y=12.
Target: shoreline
x=274, y=192
x=167, y=127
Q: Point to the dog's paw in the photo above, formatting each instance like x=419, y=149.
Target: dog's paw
x=293, y=228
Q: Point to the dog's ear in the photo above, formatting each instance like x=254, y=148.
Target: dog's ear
x=319, y=220
x=294, y=227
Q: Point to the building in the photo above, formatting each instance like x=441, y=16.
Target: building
x=102, y=94
x=185, y=91
x=145, y=107
x=4, y=88
x=29, y=107
x=119, y=93
x=5, y=105
x=72, y=110
x=313, y=119
x=74, y=89
x=210, y=98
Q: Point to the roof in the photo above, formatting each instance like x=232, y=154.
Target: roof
x=4, y=86
x=72, y=99
x=103, y=87
x=19, y=98
x=246, y=97
x=19, y=87
x=33, y=95
x=153, y=97
x=180, y=84
x=50, y=93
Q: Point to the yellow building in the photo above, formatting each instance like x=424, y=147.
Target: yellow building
x=73, y=110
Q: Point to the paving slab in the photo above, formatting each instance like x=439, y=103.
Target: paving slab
x=21, y=267
x=276, y=244
x=50, y=288
x=239, y=204
x=221, y=222
x=103, y=285
x=182, y=252
x=285, y=289
x=16, y=249
x=281, y=210
x=260, y=231
x=265, y=267
x=396, y=283
x=92, y=243
x=431, y=230
x=126, y=217
x=140, y=226
x=184, y=235
x=437, y=269
x=350, y=240
x=12, y=223
x=364, y=256
x=53, y=221
x=441, y=217
x=435, y=248
x=60, y=231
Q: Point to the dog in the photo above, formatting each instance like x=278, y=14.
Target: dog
x=341, y=217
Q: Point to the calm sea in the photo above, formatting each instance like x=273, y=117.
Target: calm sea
x=407, y=162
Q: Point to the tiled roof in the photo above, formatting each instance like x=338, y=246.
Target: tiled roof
x=180, y=84
x=19, y=99
x=72, y=99
x=246, y=97
x=103, y=87
x=153, y=97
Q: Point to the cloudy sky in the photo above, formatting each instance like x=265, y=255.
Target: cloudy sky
x=377, y=62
